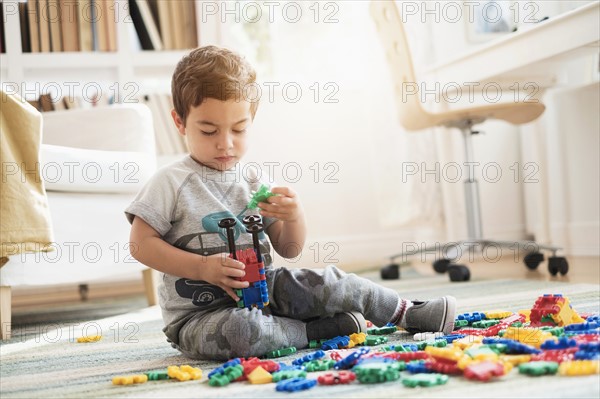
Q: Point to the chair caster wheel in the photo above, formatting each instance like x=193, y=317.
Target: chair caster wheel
x=441, y=265
x=558, y=264
x=459, y=273
x=533, y=260
x=390, y=272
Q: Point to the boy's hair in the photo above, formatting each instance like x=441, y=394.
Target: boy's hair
x=212, y=72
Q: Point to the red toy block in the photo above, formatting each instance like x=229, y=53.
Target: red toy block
x=341, y=377
x=544, y=306
x=555, y=355
x=253, y=362
x=248, y=257
x=443, y=366
x=484, y=371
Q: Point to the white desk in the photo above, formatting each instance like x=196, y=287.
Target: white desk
x=534, y=51
x=537, y=53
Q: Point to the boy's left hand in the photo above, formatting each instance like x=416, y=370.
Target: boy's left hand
x=284, y=206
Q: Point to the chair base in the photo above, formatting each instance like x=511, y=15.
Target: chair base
x=447, y=254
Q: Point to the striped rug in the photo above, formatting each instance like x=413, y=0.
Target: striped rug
x=45, y=361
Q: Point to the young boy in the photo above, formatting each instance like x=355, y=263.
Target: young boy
x=175, y=231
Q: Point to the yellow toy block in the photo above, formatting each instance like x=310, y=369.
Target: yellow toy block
x=89, y=338
x=358, y=338
x=530, y=336
x=526, y=313
x=448, y=353
x=184, y=373
x=481, y=353
x=579, y=367
x=566, y=315
x=497, y=314
x=465, y=361
x=468, y=341
x=515, y=360
x=260, y=376
x=130, y=379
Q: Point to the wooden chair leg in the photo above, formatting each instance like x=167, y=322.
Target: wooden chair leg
x=149, y=276
x=5, y=312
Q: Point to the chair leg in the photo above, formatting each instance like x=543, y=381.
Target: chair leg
x=149, y=276
x=5, y=312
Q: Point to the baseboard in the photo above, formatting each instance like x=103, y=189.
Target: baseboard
x=29, y=295
x=584, y=238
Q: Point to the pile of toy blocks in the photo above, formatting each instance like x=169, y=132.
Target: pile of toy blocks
x=550, y=338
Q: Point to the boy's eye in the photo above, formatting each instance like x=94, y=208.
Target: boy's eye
x=240, y=131
x=208, y=133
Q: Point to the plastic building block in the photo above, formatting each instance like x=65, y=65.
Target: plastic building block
x=157, y=375
x=555, y=355
x=467, y=341
x=497, y=314
x=358, y=338
x=530, y=336
x=427, y=336
x=89, y=338
x=307, y=358
x=443, y=367
x=512, y=347
x=341, y=377
x=460, y=323
x=261, y=195
x=316, y=343
x=221, y=369
x=561, y=343
x=351, y=359
x=485, y=323
x=515, y=360
x=482, y=352
x=424, y=380
x=229, y=373
x=295, y=384
x=373, y=340
x=451, y=353
x=335, y=343
x=538, y=368
x=472, y=317
x=584, y=327
x=579, y=367
x=483, y=371
x=438, y=343
x=417, y=367
x=259, y=376
x=319, y=365
x=184, y=373
x=281, y=352
x=252, y=363
x=372, y=373
x=130, y=379
x=382, y=330
x=288, y=374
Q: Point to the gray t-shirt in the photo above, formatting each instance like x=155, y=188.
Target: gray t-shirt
x=184, y=202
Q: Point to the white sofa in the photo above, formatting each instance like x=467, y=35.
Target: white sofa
x=93, y=161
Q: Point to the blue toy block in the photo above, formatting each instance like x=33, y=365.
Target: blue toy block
x=588, y=351
x=295, y=384
x=335, y=343
x=512, y=347
x=561, y=343
x=582, y=328
x=221, y=369
x=307, y=358
x=452, y=337
x=351, y=359
x=406, y=348
x=417, y=367
x=472, y=317
x=288, y=367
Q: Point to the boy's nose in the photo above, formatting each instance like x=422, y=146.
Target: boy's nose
x=225, y=142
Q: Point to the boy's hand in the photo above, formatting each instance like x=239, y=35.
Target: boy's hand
x=221, y=271
x=285, y=206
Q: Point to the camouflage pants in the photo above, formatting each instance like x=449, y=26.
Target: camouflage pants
x=295, y=295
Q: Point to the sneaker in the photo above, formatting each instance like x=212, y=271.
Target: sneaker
x=431, y=316
x=338, y=325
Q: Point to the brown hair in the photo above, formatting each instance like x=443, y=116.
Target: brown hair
x=211, y=72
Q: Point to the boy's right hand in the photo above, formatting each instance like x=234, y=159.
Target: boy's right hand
x=221, y=271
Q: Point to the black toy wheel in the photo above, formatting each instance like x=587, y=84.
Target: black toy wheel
x=558, y=264
x=533, y=260
x=459, y=273
x=441, y=265
x=390, y=272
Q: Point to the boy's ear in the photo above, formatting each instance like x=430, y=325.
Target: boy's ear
x=178, y=122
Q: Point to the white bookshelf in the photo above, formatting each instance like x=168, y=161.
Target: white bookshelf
x=127, y=64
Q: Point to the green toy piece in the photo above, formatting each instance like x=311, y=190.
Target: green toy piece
x=485, y=323
x=424, y=380
x=382, y=330
x=231, y=373
x=319, y=365
x=373, y=340
x=261, y=195
x=288, y=374
x=281, y=352
x=316, y=344
x=157, y=375
x=372, y=373
x=538, y=368
x=460, y=323
x=438, y=343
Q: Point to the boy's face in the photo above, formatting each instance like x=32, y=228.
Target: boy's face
x=216, y=132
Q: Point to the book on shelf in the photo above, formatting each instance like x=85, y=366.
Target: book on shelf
x=145, y=26
x=33, y=20
x=43, y=25
x=164, y=23
x=84, y=22
x=110, y=23
x=52, y=16
x=2, y=45
x=69, y=25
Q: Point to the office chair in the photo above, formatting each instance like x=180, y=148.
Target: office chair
x=413, y=117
